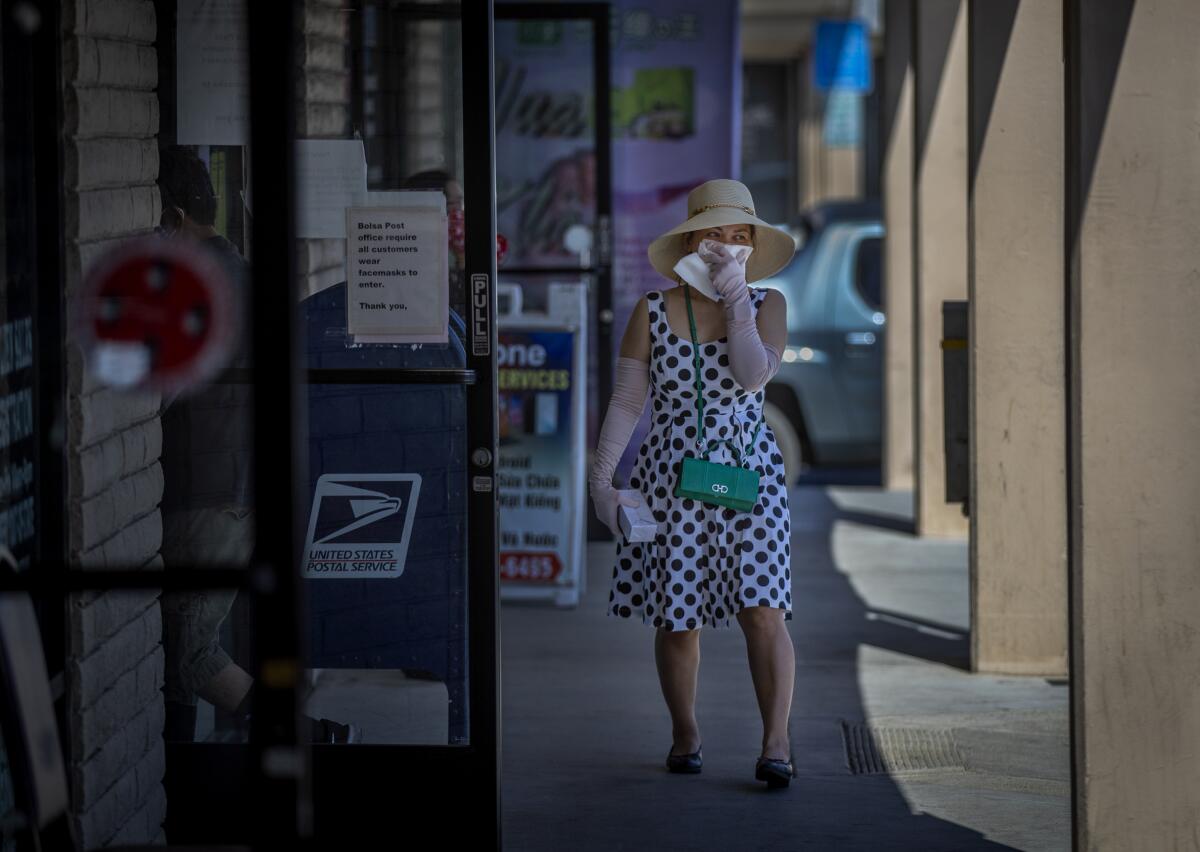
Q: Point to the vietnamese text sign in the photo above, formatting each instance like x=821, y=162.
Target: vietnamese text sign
x=533, y=462
x=213, y=84
x=360, y=524
x=397, y=282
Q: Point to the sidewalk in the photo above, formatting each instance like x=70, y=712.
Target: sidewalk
x=879, y=627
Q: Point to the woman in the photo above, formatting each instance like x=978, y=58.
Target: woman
x=708, y=563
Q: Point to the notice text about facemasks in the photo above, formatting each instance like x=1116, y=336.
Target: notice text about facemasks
x=396, y=272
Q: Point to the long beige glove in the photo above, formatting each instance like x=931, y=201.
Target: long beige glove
x=752, y=362
x=630, y=386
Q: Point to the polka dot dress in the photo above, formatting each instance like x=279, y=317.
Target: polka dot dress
x=711, y=561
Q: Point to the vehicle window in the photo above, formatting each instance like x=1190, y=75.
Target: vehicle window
x=867, y=278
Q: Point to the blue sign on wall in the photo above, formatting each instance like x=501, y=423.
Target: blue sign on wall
x=842, y=127
x=842, y=56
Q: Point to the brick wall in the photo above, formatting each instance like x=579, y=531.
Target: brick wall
x=115, y=661
x=322, y=112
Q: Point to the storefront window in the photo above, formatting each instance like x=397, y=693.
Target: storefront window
x=207, y=504
x=380, y=228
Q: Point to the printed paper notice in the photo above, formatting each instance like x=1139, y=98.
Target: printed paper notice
x=397, y=282
x=213, y=84
x=331, y=176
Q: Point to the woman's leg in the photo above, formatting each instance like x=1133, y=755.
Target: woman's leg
x=677, y=654
x=773, y=669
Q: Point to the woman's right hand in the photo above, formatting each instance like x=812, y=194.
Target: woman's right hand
x=726, y=270
x=606, y=500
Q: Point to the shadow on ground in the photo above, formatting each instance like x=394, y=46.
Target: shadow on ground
x=586, y=731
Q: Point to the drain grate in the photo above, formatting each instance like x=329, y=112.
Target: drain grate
x=871, y=750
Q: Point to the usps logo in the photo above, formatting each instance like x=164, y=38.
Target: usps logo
x=360, y=524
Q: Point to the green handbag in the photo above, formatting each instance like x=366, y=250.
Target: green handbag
x=707, y=481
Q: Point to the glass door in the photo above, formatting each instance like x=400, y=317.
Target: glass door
x=395, y=232
x=249, y=351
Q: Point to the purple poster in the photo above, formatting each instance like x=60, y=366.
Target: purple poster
x=545, y=143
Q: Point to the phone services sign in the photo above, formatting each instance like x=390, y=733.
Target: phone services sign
x=359, y=525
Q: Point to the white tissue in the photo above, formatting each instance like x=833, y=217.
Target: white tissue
x=692, y=269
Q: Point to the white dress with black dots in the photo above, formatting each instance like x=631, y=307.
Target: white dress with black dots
x=712, y=561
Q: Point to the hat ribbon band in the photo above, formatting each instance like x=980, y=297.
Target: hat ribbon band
x=700, y=210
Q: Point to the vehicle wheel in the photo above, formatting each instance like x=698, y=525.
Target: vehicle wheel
x=787, y=439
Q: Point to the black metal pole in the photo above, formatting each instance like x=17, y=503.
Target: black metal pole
x=602, y=59
x=479, y=186
x=282, y=787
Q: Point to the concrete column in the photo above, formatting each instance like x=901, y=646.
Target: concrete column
x=1134, y=178
x=897, y=130
x=1018, y=444
x=939, y=240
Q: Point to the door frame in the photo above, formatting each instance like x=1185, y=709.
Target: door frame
x=356, y=789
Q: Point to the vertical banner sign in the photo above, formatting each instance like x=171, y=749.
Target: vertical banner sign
x=397, y=281
x=534, y=465
x=842, y=56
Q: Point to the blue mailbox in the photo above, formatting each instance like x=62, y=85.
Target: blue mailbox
x=385, y=559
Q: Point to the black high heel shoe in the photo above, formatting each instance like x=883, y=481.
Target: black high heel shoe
x=777, y=773
x=685, y=763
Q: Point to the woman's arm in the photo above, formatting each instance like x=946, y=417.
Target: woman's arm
x=755, y=348
x=630, y=386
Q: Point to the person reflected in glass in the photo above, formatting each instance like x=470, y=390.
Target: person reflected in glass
x=440, y=180
x=208, y=500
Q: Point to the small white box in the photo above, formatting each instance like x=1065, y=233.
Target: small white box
x=637, y=522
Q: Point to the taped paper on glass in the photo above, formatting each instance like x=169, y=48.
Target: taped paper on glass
x=397, y=276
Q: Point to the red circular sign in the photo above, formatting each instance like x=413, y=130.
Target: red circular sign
x=157, y=314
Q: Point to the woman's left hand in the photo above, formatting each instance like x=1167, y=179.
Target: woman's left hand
x=728, y=274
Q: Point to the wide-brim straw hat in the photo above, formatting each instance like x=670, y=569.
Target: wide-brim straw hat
x=725, y=202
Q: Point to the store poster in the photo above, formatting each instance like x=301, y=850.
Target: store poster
x=545, y=141
x=535, y=481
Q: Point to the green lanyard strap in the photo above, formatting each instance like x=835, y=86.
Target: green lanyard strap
x=687, y=295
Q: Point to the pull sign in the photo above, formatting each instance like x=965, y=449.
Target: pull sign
x=480, y=338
